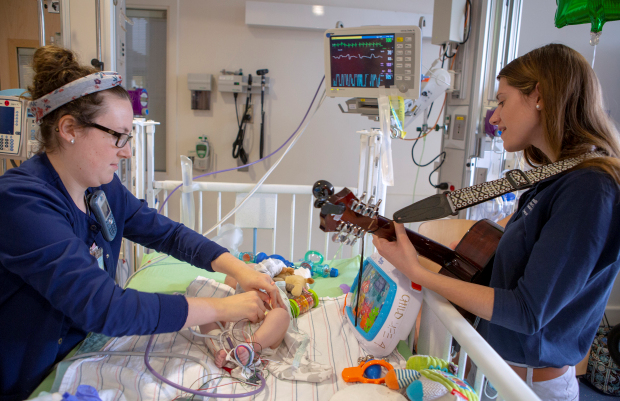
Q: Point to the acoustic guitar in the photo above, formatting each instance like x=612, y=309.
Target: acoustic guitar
x=471, y=261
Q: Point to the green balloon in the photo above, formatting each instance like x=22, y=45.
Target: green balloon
x=595, y=12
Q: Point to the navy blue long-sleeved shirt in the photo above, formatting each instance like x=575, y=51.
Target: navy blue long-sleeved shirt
x=554, y=270
x=52, y=291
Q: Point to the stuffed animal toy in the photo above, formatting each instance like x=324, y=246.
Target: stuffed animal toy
x=421, y=362
x=298, y=284
x=286, y=272
x=428, y=378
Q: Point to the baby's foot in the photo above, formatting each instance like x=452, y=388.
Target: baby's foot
x=242, y=353
x=220, y=358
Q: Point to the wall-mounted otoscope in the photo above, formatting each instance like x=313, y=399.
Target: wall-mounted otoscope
x=263, y=80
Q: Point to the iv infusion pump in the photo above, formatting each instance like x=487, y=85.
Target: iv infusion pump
x=372, y=61
x=18, y=129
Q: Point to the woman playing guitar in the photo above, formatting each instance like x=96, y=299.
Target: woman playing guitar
x=558, y=258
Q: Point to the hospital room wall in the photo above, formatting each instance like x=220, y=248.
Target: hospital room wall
x=208, y=36
x=537, y=29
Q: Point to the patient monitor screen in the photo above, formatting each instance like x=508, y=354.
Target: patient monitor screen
x=7, y=124
x=363, y=61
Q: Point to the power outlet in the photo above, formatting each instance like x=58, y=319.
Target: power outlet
x=458, y=127
x=250, y=114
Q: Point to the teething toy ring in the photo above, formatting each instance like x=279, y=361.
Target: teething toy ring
x=356, y=373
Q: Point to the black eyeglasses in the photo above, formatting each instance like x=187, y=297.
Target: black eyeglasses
x=121, y=139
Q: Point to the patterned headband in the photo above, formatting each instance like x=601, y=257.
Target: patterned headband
x=80, y=87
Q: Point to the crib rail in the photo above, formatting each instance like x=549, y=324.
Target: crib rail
x=440, y=323
x=277, y=189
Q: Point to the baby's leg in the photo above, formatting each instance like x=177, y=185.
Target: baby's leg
x=271, y=333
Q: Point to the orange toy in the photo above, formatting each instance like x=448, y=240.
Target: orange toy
x=356, y=373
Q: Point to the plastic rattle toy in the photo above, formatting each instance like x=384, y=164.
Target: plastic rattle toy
x=247, y=257
x=314, y=257
x=324, y=271
x=356, y=373
x=303, y=303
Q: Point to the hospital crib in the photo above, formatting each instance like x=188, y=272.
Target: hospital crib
x=440, y=321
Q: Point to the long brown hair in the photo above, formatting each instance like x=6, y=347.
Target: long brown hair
x=573, y=116
x=54, y=67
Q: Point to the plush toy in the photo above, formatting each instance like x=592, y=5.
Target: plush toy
x=273, y=267
x=286, y=272
x=426, y=388
x=298, y=284
x=428, y=378
x=429, y=384
x=421, y=362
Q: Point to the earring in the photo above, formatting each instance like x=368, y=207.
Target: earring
x=537, y=107
x=72, y=141
x=56, y=129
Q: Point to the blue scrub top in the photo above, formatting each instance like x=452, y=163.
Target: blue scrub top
x=53, y=292
x=554, y=269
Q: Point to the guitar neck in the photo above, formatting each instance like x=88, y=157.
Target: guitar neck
x=426, y=247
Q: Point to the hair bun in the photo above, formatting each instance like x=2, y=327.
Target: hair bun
x=55, y=66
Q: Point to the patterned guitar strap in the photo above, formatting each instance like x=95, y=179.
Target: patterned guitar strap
x=450, y=203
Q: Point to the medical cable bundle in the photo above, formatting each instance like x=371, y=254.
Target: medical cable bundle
x=198, y=392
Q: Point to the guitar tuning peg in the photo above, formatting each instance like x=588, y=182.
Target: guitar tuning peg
x=342, y=236
x=352, y=238
x=337, y=232
x=360, y=204
x=375, y=210
x=369, y=208
x=359, y=235
x=354, y=204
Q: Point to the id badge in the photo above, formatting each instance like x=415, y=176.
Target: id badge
x=97, y=253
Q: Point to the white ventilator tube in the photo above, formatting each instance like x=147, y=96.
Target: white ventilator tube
x=188, y=211
x=436, y=86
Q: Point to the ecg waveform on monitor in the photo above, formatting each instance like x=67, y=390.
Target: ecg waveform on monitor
x=357, y=80
x=357, y=44
x=350, y=56
x=362, y=61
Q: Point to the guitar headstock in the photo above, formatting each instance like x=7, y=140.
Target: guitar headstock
x=345, y=214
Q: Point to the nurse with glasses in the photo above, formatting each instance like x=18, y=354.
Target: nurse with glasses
x=57, y=271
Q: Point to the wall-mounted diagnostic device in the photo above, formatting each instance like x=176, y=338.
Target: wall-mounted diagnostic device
x=373, y=61
x=18, y=129
x=239, y=84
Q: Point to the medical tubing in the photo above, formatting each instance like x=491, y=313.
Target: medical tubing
x=157, y=355
x=195, y=392
x=257, y=161
x=267, y=174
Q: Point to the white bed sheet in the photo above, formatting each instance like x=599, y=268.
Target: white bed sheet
x=126, y=378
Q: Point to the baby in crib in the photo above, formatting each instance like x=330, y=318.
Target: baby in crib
x=263, y=337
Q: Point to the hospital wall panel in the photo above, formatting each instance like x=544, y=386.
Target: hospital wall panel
x=208, y=36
